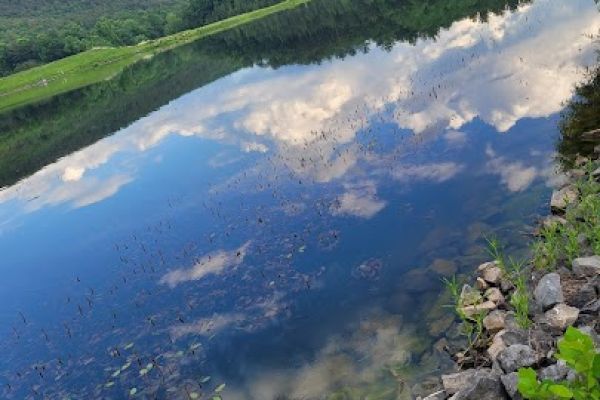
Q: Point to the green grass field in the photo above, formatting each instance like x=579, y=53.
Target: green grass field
x=99, y=64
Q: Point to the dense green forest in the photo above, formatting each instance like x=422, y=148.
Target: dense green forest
x=34, y=32
x=33, y=136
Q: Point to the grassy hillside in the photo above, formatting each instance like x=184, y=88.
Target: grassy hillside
x=103, y=63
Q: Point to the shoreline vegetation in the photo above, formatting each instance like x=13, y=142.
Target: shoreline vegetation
x=102, y=63
x=531, y=328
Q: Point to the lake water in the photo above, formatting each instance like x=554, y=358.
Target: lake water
x=273, y=208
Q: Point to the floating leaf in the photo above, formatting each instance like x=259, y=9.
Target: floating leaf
x=116, y=373
x=194, y=395
x=217, y=397
x=220, y=388
x=195, y=346
x=126, y=365
x=204, y=379
x=109, y=384
x=128, y=346
x=133, y=391
x=143, y=371
x=149, y=366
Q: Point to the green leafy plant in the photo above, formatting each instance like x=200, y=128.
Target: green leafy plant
x=577, y=350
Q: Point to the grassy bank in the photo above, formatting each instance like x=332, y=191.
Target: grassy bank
x=100, y=64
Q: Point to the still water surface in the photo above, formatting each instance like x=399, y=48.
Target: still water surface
x=282, y=227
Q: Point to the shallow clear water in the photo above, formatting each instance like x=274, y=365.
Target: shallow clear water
x=284, y=230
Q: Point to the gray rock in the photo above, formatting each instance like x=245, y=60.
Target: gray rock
x=596, y=173
x=548, y=291
x=485, y=386
x=495, y=321
x=587, y=266
x=454, y=382
x=440, y=395
x=597, y=149
x=561, y=316
x=517, y=356
x=563, y=197
x=510, y=382
x=497, y=346
x=556, y=372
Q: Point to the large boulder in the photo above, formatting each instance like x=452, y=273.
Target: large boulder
x=548, y=291
x=587, y=266
x=517, y=356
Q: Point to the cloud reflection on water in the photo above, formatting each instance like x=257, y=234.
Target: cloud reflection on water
x=498, y=71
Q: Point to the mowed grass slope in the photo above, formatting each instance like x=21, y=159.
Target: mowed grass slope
x=99, y=64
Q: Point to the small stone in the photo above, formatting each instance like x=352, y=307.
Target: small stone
x=440, y=395
x=562, y=316
x=581, y=160
x=563, y=197
x=587, y=266
x=548, y=291
x=481, y=284
x=495, y=321
x=510, y=382
x=596, y=173
x=495, y=295
x=517, y=356
x=555, y=373
x=469, y=296
x=482, y=308
x=576, y=173
x=490, y=272
x=497, y=346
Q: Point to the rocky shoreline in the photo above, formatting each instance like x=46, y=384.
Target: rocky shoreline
x=517, y=314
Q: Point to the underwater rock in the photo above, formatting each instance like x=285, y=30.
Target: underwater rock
x=443, y=267
x=368, y=270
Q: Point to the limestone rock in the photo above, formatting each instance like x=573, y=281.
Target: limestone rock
x=587, y=266
x=495, y=295
x=548, y=291
x=481, y=284
x=517, y=356
x=482, y=308
x=497, y=346
x=490, y=272
x=495, y=321
x=563, y=197
x=561, y=316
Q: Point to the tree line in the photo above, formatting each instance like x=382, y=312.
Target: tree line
x=34, y=32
